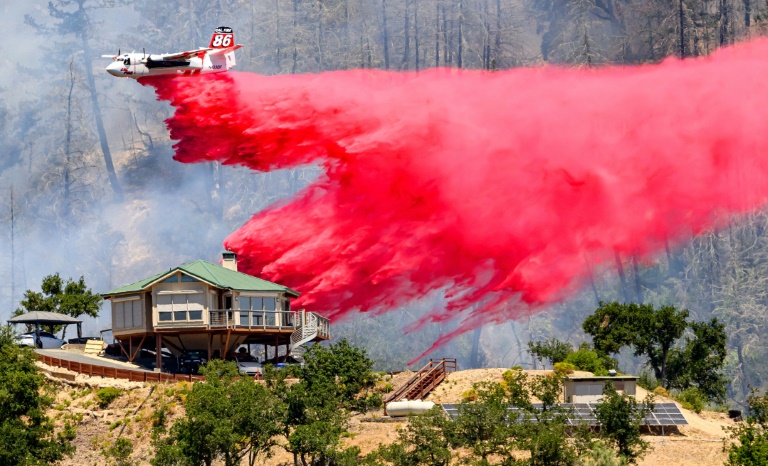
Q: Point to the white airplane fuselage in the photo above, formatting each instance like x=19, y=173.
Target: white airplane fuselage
x=137, y=65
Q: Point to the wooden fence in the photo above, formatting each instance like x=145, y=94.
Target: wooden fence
x=115, y=373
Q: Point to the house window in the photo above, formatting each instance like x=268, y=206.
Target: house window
x=172, y=279
x=266, y=306
x=180, y=307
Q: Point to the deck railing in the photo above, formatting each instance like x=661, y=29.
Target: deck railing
x=248, y=319
x=265, y=319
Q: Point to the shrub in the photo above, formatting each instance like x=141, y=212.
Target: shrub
x=107, y=395
x=749, y=439
x=159, y=417
x=115, y=425
x=372, y=401
x=564, y=368
x=517, y=368
x=587, y=359
x=602, y=455
x=692, y=398
x=647, y=381
x=383, y=386
x=120, y=451
x=469, y=395
x=661, y=391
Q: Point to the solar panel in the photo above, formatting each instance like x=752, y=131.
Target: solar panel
x=663, y=414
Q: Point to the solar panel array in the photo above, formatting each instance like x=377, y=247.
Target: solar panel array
x=663, y=414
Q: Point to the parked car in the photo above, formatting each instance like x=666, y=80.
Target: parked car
x=246, y=364
x=283, y=362
x=42, y=339
x=191, y=360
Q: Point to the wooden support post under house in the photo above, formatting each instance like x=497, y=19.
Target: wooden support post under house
x=138, y=349
x=158, y=350
x=122, y=349
x=226, y=345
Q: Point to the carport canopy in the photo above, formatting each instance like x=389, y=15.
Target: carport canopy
x=38, y=318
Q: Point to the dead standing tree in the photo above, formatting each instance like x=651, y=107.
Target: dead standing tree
x=77, y=23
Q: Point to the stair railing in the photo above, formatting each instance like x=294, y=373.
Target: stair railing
x=424, y=381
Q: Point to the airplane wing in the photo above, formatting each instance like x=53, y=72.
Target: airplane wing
x=225, y=50
x=184, y=55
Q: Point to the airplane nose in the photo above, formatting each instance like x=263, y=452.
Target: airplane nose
x=114, y=69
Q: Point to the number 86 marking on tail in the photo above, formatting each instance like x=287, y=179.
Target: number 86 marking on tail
x=222, y=40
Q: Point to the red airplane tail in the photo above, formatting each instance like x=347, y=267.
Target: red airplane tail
x=222, y=38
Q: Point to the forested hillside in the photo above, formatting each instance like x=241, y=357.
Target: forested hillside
x=89, y=186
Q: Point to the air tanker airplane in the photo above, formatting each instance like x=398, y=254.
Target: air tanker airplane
x=217, y=58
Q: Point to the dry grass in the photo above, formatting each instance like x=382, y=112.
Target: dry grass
x=699, y=443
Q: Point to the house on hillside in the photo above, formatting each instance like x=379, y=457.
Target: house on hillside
x=213, y=308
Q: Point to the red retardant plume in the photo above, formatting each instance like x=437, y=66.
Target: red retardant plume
x=500, y=189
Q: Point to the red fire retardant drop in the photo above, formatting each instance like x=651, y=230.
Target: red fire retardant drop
x=498, y=188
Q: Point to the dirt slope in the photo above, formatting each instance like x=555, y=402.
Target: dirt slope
x=699, y=443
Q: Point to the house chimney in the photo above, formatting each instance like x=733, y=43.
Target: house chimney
x=229, y=260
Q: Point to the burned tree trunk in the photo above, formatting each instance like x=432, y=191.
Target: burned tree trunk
x=407, y=33
x=385, y=32
x=460, y=53
x=118, y=192
x=622, y=277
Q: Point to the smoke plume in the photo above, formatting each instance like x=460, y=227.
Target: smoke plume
x=500, y=189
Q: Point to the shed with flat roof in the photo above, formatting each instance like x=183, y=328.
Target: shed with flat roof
x=588, y=389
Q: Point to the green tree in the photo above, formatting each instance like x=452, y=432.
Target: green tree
x=752, y=435
x=620, y=417
x=552, y=350
x=612, y=326
x=318, y=406
x=26, y=434
x=341, y=368
x=228, y=418
x=72, y=298
x=482, y=426
x=651, y=332
x=503, y=421
x=421, y=442
x=699, y=364
x=543, y=431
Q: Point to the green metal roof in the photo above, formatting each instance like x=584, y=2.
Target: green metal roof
x=214, y=274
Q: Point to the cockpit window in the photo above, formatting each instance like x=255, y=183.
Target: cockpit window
x=127, y=61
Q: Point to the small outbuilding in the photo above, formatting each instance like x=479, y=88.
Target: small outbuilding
x=50, y=319
x=589, y=389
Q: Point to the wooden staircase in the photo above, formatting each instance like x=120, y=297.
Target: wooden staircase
x=424, y=381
